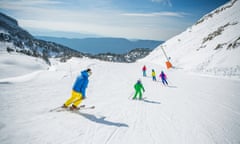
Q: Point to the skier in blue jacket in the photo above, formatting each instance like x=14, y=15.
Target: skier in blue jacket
x=78, y=90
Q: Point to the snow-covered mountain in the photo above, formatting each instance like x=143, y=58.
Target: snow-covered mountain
x=14, y=38
x=211, y=46
x=129, y=57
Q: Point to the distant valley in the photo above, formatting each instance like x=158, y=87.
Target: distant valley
x=103, y=45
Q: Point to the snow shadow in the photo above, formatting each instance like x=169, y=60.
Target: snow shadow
x=102, y=120
x=174, y=67
x=172, y=86
x=2, y=126
x=151, y=101
x=5, y=82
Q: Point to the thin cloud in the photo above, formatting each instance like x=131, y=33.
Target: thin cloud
x=167, y=14
x=24, y=3
x=31, y=6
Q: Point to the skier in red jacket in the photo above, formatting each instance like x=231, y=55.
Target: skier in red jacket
x=144, y=69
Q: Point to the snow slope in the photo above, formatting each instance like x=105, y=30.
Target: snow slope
x=211, y=46
x=16, y=64
x=193, y=109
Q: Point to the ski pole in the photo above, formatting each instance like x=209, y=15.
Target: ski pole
x=131, y=95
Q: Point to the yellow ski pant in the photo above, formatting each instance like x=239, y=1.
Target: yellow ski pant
x=75, y=99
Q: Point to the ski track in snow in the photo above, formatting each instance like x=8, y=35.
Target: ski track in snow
x=193, y=109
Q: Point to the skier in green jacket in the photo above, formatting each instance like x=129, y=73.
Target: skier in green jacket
x=138, y=88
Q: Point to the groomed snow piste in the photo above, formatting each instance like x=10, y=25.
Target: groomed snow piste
x=193, y=109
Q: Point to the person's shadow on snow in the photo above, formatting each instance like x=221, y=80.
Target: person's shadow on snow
x=101, y=120
x=150, y=101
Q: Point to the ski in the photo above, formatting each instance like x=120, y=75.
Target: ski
x=137, y=99
x=78, y=109
x=82, y=107
x=55, y=109
x=60, y=108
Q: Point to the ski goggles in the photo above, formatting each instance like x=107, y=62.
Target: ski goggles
x=89, y=73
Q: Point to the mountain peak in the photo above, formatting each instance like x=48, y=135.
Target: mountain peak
x=216, y=11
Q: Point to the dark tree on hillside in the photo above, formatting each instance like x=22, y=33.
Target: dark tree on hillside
x=45, y=56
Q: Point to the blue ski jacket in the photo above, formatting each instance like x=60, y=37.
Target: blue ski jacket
x=81, y=83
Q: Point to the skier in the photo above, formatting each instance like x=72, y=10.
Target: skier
x=163, y=76
x=138, y=88
x=144, y=69
x=78, y=90
x=154, y=75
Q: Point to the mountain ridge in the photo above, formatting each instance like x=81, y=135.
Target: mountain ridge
x=211, y=46
x=103, y=44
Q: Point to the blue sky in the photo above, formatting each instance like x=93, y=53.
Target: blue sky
x=133, y=19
